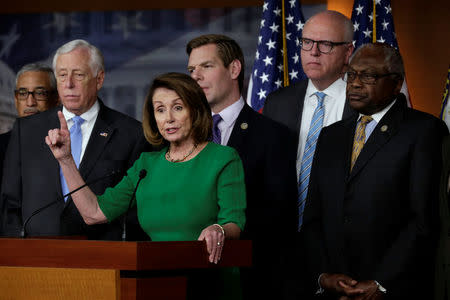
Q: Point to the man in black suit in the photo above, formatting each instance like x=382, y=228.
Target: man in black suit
x=267, y=151
x=326, y=45
x=108, y=141
x=371, y=214
x=35, y=92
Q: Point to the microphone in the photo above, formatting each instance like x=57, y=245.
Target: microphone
x=23, y=231
x=142, y=175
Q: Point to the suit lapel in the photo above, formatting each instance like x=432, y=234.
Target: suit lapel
x=101, y=134
x=240, y=128
x=386, y=128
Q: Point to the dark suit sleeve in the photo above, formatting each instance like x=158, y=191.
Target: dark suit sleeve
x=413, y=249
x=11, y=195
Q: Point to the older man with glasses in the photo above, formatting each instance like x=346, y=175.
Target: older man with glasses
x=105, y=143
x=35, y=92
x=371, y=217
x=35, y=89
x=309, y=105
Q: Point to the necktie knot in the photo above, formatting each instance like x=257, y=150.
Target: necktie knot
x=366, y=120
x=77, y=121
x=216, y=119
x=320, y=97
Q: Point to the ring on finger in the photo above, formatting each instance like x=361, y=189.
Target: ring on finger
x=219, y=243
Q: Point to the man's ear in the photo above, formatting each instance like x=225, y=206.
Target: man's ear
x=348, y=53
x=100, y=78
x=235, y=68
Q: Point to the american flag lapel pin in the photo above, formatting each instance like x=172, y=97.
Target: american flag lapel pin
x=103, y=134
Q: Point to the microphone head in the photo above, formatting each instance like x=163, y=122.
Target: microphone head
x=142, y=173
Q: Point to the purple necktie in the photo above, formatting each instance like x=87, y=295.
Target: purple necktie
x=217, y=137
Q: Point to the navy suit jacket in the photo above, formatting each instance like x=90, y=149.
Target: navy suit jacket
x=379, y=221
x=268, y=151
x=32, y=175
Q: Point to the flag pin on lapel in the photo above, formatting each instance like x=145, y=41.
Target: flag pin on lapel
x=244, y=126
x=384, y=128
x=103, y=134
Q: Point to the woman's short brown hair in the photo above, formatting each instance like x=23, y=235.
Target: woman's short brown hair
x=193, y=97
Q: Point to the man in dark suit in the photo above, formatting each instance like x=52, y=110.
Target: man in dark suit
x=326, y=45
x=107, y=141
x=35, y=92
x=216, y=62
x=371, y=213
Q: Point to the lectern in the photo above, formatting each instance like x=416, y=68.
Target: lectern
x=81, y=269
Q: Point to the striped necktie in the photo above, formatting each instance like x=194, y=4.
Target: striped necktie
x=314, y=130
x=76, y=139
x=217, y=137
x=360, y=138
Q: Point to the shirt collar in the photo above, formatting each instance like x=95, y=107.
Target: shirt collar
x=230, y=113
x=379, y=115
x=335, y=90
x=87, y=116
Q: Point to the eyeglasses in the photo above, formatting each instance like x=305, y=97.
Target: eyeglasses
x=324, y=47
x=367, y=78
x=39, y=94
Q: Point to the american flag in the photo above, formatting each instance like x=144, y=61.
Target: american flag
x=277, y=59
x=366, y=14
x=445, y=110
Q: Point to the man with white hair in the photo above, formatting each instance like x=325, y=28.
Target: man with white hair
x=104, y=142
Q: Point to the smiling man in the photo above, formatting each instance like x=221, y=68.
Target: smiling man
x=371, y=212
x=104, y=142
x=307, y=106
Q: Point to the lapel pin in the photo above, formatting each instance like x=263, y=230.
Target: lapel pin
x=244, y=126
x=103, y=134
x=384, y=128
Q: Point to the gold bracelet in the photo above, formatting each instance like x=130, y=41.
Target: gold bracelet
x=221, y=228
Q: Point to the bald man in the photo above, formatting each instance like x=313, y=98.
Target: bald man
x=326, y=46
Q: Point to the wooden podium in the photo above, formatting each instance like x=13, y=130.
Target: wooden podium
x=81, y=269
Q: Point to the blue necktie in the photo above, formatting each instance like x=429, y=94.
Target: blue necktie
x=76, y=139
x=314, y=130
x=217, y=137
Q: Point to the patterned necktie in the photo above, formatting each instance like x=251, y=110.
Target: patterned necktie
x=360, y=138
x=76, y=139
x=314, y=130
x=217, y=137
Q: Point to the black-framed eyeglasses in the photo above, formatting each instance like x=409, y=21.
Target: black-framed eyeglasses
x=365, y=77
x=324, y=47
x=39, y=94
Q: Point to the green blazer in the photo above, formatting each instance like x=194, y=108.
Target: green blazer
x=442, y=282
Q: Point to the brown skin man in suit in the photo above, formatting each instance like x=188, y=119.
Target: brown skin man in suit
x=370, y=225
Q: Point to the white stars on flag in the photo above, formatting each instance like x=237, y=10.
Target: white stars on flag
x=268, y=68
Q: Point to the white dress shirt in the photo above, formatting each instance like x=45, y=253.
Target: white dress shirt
x=376, y=119
x=86, y=128
x=229, y=116
x=334, y=103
